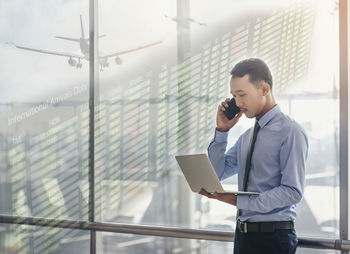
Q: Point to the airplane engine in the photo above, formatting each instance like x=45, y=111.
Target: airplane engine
x=118, y=60
x=72, y=62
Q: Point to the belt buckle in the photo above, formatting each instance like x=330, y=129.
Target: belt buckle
x=244, y=229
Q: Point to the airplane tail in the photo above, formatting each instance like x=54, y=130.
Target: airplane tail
x=82, y=34
x=82, y=28
x=74, y=39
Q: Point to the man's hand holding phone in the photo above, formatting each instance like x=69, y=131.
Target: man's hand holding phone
x=226, y=110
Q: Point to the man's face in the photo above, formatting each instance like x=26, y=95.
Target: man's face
x=249, y=97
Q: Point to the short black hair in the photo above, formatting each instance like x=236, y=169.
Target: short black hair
x=256, y=68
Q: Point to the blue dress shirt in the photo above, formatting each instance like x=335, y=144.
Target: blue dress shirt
x=277, y=167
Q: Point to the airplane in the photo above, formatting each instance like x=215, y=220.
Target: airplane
x=75, y=59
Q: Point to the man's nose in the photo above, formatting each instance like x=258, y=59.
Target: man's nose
x=239, y=103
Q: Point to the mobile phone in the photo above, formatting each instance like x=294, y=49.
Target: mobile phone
x=232, y=110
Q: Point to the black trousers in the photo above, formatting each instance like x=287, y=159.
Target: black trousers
x=282, y=241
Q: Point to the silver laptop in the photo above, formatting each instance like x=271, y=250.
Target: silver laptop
x=199, y=173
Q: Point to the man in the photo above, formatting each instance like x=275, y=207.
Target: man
x=272, y=155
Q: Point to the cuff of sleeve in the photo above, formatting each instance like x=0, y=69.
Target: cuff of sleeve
x=243, y=201
x=220, y=136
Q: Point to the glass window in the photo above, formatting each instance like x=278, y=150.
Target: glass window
x=163, y=102
x=45, y=240
x=163, y=69
x=43, y=109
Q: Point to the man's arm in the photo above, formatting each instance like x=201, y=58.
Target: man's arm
x=227, y=198
x=293, y=156
x=225, y=164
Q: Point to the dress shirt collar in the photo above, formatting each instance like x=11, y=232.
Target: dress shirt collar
x=268, y=116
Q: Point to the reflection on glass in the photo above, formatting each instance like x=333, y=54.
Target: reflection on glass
x=44, y=116
x=158, y=101
x=31, y=239
x=163, y=103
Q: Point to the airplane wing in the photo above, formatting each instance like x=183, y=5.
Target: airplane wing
x=50, y=52
x=130, y=50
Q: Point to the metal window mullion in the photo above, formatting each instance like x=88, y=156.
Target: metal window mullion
x=92, y=85
x=343, y=124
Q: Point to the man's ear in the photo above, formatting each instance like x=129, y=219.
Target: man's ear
x=265, y=88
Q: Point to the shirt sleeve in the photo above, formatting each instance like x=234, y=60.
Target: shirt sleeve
x=225, y=164
x=293, y=155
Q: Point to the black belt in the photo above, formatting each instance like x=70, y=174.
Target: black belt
x=270, y=226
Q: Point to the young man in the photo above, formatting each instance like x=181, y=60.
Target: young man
x=269, y=158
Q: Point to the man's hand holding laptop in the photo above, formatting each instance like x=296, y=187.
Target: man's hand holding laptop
x=224, y=197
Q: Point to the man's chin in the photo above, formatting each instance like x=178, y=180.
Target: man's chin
x=248, y=115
